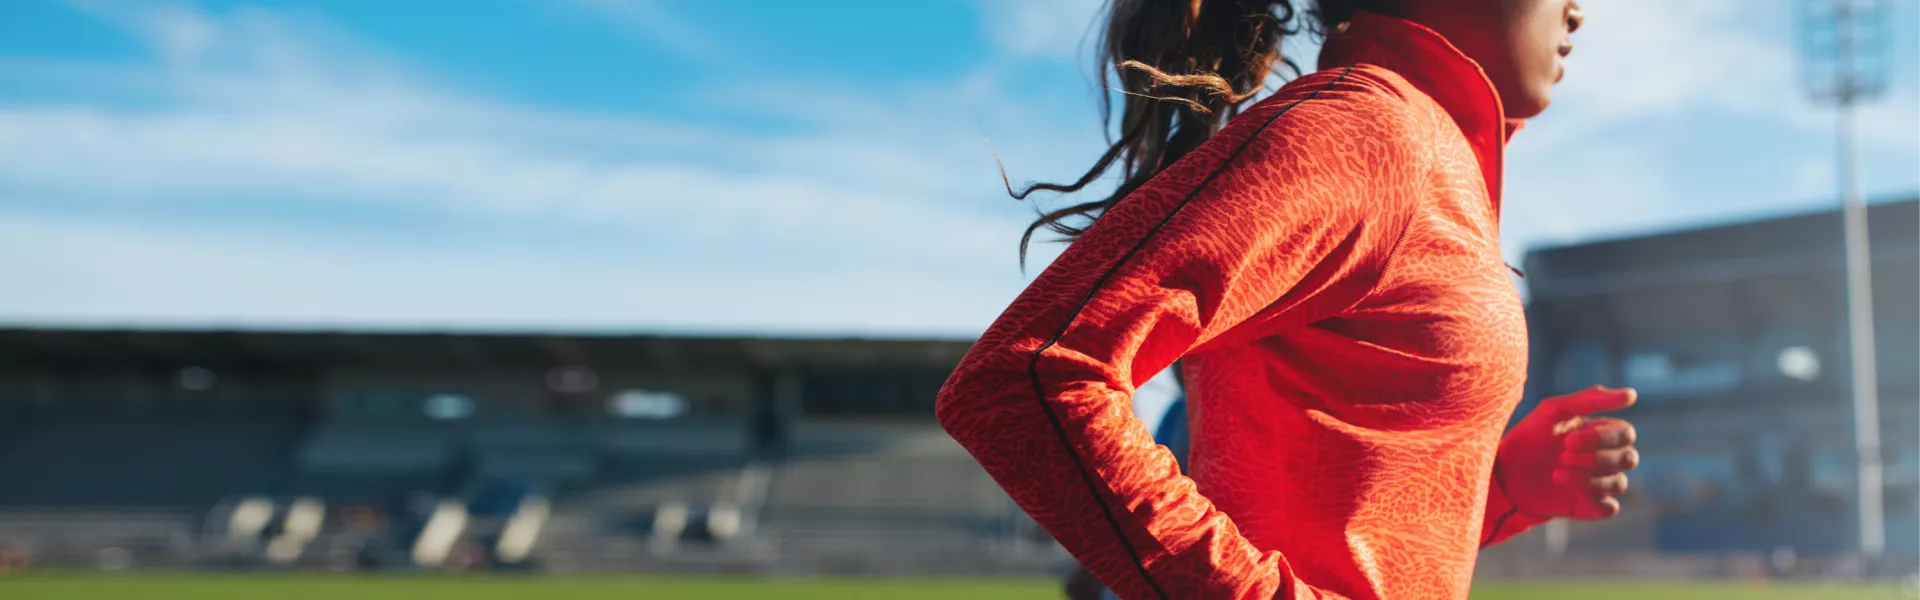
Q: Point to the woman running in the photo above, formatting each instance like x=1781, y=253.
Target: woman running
x=1326, y=266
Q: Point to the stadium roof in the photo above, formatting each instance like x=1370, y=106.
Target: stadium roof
x=288, y=348
x=1791, y=244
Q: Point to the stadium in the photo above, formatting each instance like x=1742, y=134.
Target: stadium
x=1735, y=337
x=725, y=462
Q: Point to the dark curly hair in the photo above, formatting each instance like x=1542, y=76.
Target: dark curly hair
x=1185, y=68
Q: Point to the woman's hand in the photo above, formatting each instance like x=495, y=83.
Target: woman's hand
x=1562, y=462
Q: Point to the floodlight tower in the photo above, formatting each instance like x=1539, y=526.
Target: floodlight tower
x=1843, y=45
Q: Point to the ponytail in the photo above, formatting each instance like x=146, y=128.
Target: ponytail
x=1185, y=68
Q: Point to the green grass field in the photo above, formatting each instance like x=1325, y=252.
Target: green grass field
x=326, y=587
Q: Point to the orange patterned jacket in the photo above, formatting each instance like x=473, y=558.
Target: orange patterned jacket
x=1329, y=267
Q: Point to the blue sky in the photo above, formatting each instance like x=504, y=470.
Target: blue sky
x=726, y=167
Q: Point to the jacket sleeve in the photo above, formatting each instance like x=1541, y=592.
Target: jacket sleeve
x=1503, y=520
x=1286, y=217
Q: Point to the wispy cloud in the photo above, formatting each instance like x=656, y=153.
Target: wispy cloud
x=1654, y=59
x=1646, y=80
x=89, y=271
x=258, y=114
x=656, y=24
x=876, y=209
x=1052, y=29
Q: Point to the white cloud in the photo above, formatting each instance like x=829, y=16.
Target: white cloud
x=1658, y=59
x=85, y=271
x=1625, y=132
x=178, y=158
x=887, y=192
x=655, y=24
x=283, y=127
x=1568, y=195
x=1887, y=124
x=1813, y=178
x=1654, y=57
x=1054, y=29
x=252, y=111
x=1068, y=31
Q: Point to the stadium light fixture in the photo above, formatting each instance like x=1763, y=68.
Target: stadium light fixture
x=1800, y=363
x=1843, y=45
x=448, y=407
x=643, y=404
x=196, y=379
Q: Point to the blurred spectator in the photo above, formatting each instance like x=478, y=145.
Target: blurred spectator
x=1783, y=561
x=365, y=519
x=13, y=558
x=468, y=555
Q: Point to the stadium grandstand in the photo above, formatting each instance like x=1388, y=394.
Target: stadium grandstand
x=350, y=451
x=1736, y=338
x=379, y=450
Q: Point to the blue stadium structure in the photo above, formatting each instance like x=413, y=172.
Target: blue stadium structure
x=356, y=450
x=1736, y=338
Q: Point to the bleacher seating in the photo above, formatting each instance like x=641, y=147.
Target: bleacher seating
x=365, y=487
x=850, y=488
x=140, y=537
x=100, y=526
x=607, y=520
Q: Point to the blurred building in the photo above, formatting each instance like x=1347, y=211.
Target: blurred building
x=354, y=450
x=1736, y=338
x=261, y=449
